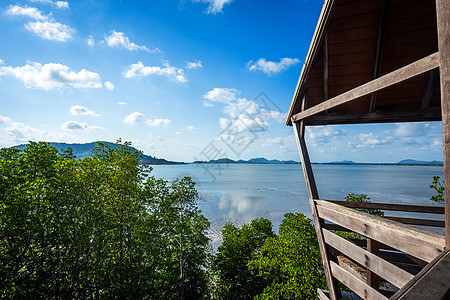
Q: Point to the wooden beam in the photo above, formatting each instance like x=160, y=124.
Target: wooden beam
x=371, y=261
x=325, y=67
x=443, y=26
x=313, y=194
x=335, y=117
x=397, y=235
x=430, y=283
x=428, y=90
x=359, y=287
x=379, y=53
x=409, y=71
x=391, y=207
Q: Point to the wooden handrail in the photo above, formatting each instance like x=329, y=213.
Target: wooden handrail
x=392, y=207
x=394, y=234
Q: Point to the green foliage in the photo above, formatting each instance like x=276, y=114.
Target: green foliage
x=234, y=279
x=363, y=199
x=439, y=188
x=97, y=227
x=291, y=261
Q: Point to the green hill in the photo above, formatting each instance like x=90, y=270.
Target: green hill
x=85, y=150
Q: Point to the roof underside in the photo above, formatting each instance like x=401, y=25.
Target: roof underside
x=358, y=41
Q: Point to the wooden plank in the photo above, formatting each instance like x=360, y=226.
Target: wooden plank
x=397, y=235
x=352, y=267
x=421, y=66
x=414, y=221
x=443, y=24
x=392, y=207
x=387, y=270
x=313, y=194
x=359, y=287
x=399, y=257
x=322, y=295
x=430, y=283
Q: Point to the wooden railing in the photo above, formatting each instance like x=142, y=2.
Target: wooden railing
x=385, y=253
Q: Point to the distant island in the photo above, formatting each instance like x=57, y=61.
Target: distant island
x=259, y=160
x=85, y=150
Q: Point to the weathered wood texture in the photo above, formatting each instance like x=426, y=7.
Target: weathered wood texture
x=388, y=271
x=416, y=68
x=399, y=236
x=313, y=194
x=443, y=24
x=359, y=287
x=433, y=282
x=352, y=267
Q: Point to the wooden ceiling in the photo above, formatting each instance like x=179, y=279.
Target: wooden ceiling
x=357, y=41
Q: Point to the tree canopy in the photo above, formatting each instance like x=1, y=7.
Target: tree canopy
x=97, y=227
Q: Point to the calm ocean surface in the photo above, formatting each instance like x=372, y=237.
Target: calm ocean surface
x=239, y=193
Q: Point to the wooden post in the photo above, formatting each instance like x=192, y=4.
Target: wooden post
x=373, y=279
x=299, y=128
x=325, y=67
x=443, y=27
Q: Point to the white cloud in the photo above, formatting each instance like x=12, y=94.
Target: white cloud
x=90, y=41
x=57, y=4
x=215, y=6
x=120, y=40
x=321, y=135
x=153, y=136
x=370, y=140
x=178, y=133
x=31, y=12
x=194, y=65
x=243, y=123
x=222, y=95
x=273, y=141
x=122, y=103
x=243, y=114
x=270, y=67
x=74, y=125
x=191, y=128
x=78, y=110
x=109, y=86
x=53, y=31
x=14, y=133
x=52, y=76
x=139, y=70
x=157, y=122
x=133, y=118
x=410, y=129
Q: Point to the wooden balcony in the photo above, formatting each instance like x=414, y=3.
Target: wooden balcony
x=388, y=253
x=378, y=61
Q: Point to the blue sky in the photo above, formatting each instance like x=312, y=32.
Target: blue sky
x=181, y=79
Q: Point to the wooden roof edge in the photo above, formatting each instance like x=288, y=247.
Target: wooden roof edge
x=313, y=47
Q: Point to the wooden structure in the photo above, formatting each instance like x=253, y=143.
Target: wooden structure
x=373, y=62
